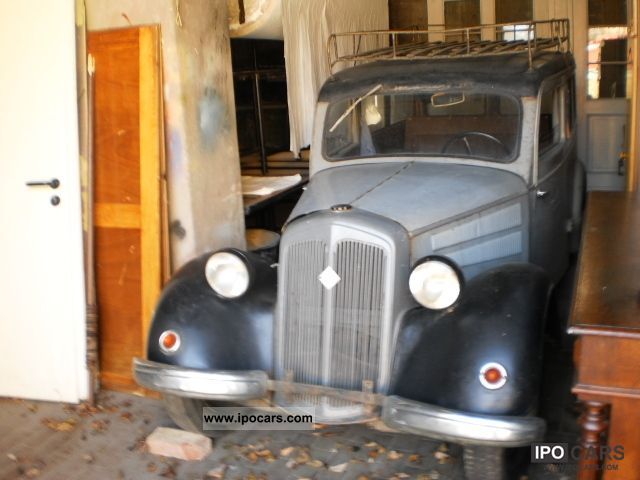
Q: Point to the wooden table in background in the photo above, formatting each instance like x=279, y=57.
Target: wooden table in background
x=606, y=318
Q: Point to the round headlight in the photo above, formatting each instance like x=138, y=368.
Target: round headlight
x=227, y=274
x=435, y=284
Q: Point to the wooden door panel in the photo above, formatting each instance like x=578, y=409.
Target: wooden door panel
x=128, y=181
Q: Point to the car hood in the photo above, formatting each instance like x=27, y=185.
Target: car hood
x=416, y=195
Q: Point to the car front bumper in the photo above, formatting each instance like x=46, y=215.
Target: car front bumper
x=397, y=413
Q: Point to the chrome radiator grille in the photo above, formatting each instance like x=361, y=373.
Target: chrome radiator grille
x=332, y=337
x=303, y=312
x=357, y=311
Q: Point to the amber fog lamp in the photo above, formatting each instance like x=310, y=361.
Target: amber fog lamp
x=435, y=283
x=227, y=274
x=493, y=376
x=169, y=341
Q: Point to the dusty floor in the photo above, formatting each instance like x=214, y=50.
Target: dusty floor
x=53, y=441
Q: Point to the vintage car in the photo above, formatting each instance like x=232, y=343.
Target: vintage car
x=415, y=271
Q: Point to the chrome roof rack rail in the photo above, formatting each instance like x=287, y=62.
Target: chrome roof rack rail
x=438, y=42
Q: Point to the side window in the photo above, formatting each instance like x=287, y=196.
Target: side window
x=550, y=129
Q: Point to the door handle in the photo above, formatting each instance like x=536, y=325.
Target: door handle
x=622, y=158
x=53, y=183
x=541, y=193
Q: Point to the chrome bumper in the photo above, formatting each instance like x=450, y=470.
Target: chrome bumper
x=461, y=427
x=398, y=413
x=219, y=385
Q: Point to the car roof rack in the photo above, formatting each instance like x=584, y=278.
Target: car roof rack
x=439, y=42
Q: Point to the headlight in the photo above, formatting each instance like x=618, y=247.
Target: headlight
x=227, y=274
x=435, y=284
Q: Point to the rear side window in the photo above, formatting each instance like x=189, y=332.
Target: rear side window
x=550, y=129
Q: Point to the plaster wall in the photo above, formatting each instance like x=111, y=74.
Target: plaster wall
x=205, y=197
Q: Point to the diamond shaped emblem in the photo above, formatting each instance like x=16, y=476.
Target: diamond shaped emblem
x=329, y=278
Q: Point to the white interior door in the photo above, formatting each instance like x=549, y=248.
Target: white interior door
x=603, y=89
x=41, y=287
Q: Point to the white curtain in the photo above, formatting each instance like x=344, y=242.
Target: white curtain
x=307, y=25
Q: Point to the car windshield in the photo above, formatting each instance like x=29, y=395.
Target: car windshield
x=455, y=123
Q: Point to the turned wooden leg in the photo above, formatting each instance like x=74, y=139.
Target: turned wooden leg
x=593, y=423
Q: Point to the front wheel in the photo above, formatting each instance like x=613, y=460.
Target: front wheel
x=492, y=463
x=186, y=412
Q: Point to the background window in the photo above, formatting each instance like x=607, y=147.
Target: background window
x=609, y=69
x=515, y=13
x=460, y=14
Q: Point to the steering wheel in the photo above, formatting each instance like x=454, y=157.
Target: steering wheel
x=463, y=136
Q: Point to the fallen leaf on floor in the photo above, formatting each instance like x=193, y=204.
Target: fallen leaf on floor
x=218, y=472
x=99, y=425
x=303, y=457
x=32, y=473
x=126, y=416
x=372, y=445
x=315, y=463
x=373, y=454
x=401, y=475
x=169, y=472
x=285, y=452
x=139, y=446
x=33, y=407
x=59, y=426
x=394, y=455
x=340, y=468
x=266, y=454
x=291, y=464
x=151, y=467
x=362, y=477
x=442, y=457
x=415, y=458
x=252, y=457
x=88, y=458
x=12, y=457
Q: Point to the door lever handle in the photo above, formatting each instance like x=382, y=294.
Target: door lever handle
x=53, y=183
x=541, y=193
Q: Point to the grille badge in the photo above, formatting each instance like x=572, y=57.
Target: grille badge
x=329, y=278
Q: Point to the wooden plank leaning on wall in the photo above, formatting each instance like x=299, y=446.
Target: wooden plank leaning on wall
x=130, y=189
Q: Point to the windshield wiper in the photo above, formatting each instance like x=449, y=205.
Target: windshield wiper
x=354, y=105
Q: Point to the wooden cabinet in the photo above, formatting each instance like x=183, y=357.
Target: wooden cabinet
x=606, y=317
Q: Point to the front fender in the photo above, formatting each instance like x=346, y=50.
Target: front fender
x=499, y=318
x=217, y=333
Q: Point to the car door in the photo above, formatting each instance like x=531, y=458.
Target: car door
x=551, y=196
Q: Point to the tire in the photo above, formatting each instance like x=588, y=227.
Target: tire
x=186, y=413
x=492, y=463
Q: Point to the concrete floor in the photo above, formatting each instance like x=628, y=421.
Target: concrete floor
x=65, y=442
